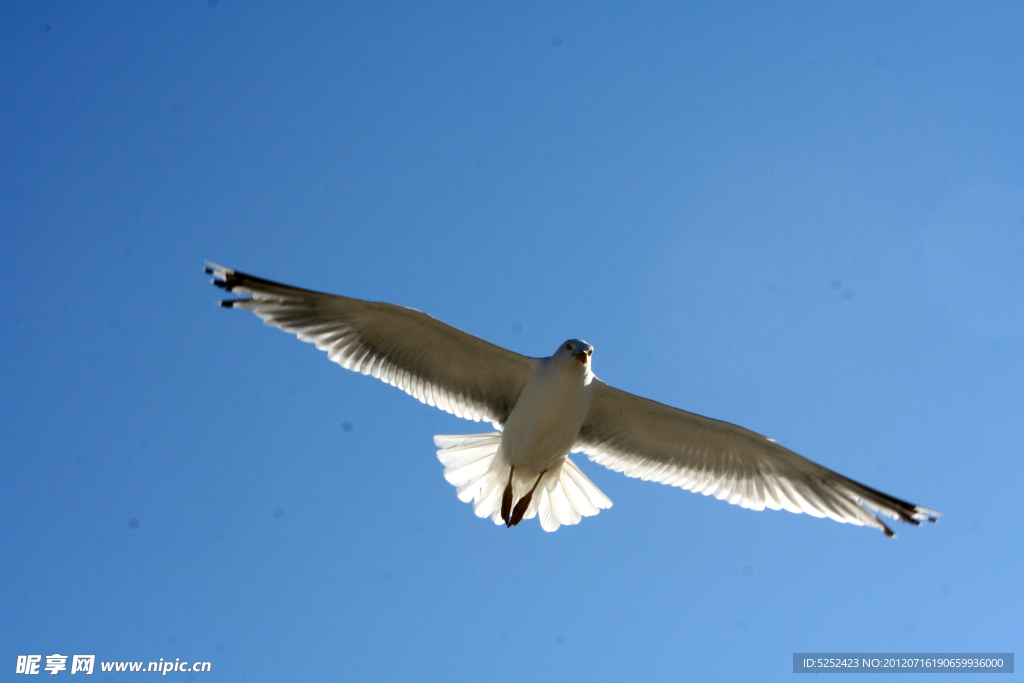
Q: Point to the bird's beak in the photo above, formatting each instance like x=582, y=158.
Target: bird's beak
x=581, y=357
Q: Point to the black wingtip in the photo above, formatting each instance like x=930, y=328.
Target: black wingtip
x=223, y=278
x=226, y=279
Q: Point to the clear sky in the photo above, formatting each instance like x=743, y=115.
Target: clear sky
x=803, y=218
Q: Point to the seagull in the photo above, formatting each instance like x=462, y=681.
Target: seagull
x=546, y=408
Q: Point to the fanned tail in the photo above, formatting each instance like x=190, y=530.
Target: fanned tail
x=467, y=460
x=570, y=498
x=564, y=495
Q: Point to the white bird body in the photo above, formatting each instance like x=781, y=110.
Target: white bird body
x=549, y=407
x=540, y=431
x=546, y=420
x=525, y=469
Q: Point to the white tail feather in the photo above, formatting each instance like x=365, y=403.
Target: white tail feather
x=564, y=494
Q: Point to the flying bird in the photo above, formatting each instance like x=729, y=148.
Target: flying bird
x=546, y=408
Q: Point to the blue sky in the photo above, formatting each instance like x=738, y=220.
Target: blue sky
x=804, y=218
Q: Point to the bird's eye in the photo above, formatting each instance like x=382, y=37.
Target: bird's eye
x=590, y=352
x=568, y=347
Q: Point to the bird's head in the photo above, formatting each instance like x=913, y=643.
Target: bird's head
x=577, y=350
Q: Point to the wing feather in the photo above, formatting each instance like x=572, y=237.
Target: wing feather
x=436, y=363
x=652, y=441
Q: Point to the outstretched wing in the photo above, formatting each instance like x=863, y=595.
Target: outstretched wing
x=434, y=362
x=652, y=441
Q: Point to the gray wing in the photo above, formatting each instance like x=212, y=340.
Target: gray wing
x=652, y=441
x=434, y=362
